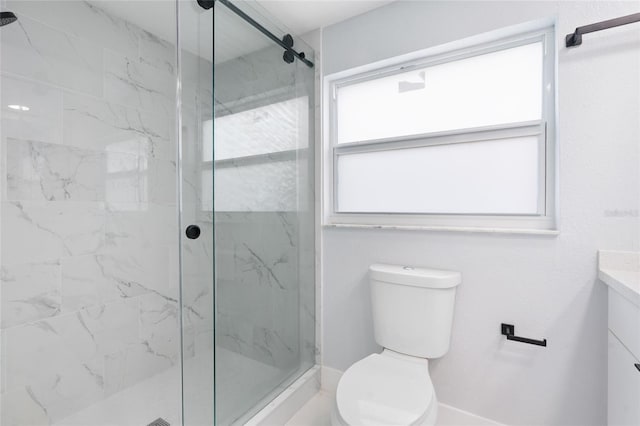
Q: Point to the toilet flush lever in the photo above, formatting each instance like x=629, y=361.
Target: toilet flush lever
x=509, y=330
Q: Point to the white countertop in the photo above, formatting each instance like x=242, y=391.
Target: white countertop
x=620, y=270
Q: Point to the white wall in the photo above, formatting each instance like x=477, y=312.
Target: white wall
x=546, y=286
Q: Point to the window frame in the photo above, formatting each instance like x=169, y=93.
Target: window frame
x=543, y=221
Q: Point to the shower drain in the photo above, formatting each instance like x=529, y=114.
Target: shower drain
x=159, y=422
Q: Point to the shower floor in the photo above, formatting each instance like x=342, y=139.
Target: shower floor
x=159, y=396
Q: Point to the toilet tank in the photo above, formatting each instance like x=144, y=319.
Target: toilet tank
x=413, y=308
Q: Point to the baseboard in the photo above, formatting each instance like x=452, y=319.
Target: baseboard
x=281, y=409
x=329, y=378
x=451, y=416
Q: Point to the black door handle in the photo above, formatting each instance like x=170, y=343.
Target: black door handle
x=637, y=366
x=192, y=232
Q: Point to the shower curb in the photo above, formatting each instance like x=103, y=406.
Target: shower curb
x=285, y=405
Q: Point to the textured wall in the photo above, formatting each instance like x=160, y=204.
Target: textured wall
x=546, y=286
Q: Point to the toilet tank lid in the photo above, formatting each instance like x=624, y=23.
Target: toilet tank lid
x=417, y=277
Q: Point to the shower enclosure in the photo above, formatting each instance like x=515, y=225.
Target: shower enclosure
x=156, y=213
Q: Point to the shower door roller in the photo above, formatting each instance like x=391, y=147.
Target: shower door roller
x=193, y=232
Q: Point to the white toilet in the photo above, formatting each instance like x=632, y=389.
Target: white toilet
x=412, y=318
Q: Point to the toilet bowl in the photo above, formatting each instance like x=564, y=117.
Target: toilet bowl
x=412, y=317
x=386, y=389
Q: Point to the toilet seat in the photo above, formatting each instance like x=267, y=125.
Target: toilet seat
x=385, y=389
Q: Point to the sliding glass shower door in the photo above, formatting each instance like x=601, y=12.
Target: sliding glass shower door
x=247, y=183
x=89, y=290
x=156, y=213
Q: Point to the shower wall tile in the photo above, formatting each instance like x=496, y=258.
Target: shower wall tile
x=113, y=326
x=138, y=85
x=49, y=172
x=39, y=360
x=127, y=178
x=29, y=292
x=233, y=333
x=77, y=387
x=153, y=226
x=160, y=325
x=36, y=353
x=25, y=408
x=41, y=232
x=84, y=284
x=60, y=362
x=157, y=52
x=135, y=272
x=93, y=123
x=162, y=188
x=31, y=49
x=278, y=348
x=257, y=275
x=133, y=365
x=42, y=122
x=88, y=22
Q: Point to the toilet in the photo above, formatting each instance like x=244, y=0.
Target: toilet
x=412, y=318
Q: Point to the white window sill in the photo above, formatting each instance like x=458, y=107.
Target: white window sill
x=543, y=232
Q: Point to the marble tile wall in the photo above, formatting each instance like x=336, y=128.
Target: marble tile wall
x=88, y=222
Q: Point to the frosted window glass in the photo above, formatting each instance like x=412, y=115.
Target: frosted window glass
x=276, y=127
x=495, y=88
x=489, y=177
x=262, y=187
x=270, y=185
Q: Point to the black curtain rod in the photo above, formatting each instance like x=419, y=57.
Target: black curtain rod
x=575, y=38
x=286, y=43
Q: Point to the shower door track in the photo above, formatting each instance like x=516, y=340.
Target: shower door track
x=286, y=43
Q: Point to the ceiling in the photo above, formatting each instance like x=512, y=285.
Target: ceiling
x=302, y=16
x=233, y=36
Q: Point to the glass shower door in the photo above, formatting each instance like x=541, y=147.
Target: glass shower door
x=248, y=166
x=89, y=313
x=195, y=26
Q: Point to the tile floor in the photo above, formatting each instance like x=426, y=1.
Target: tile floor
x=317, y=412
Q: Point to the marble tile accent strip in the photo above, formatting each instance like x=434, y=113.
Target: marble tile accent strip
x=48, y=172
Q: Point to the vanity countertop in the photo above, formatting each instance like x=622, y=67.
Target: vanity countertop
x=620, y=270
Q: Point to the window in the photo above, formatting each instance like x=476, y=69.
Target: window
x=461, y=139
x=258, y=154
